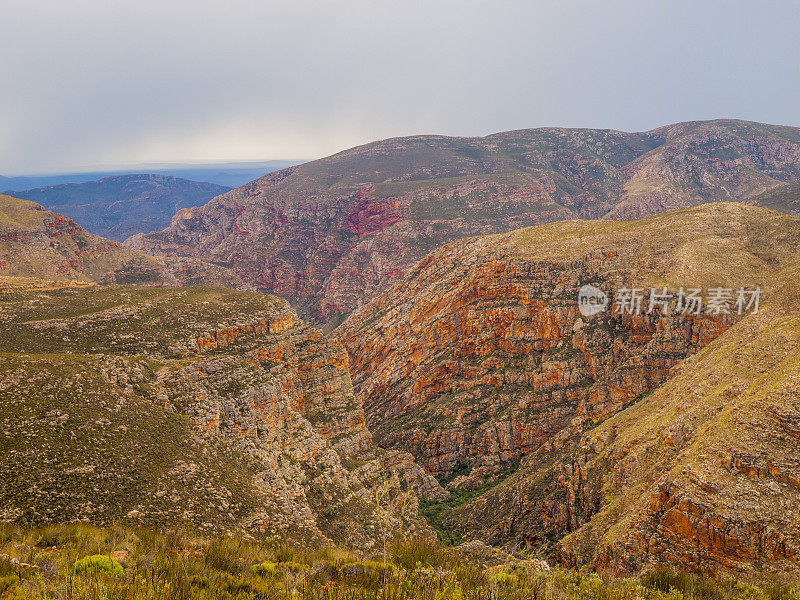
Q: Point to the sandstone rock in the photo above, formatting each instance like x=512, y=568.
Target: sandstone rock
x=477, y=359
x=639, y=438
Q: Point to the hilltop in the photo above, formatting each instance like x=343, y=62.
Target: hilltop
x=42, y=245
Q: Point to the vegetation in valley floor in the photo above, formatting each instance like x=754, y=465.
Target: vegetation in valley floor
x=79, y=561
x=434, y=512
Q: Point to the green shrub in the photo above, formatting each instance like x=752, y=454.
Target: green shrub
x=97, y=563
x=283, y=552
x=776, y=589
x=7, y=532
x=265, y=568
x=450, y=590
x=291, y=566
x=271, y=569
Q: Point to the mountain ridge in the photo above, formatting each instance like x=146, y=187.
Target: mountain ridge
x=40, y=244
x=119, y=206
x=329, y=234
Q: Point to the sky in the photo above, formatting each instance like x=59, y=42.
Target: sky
x=90, y=84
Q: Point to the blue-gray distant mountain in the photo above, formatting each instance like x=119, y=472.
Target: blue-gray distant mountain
x=233, y=174
x=121, y=206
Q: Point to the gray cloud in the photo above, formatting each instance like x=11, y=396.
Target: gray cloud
x=88, y=83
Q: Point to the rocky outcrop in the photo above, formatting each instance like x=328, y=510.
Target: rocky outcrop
x=715, y=161
x=705, y=473
x=331, y=234
x=481, y=354
x=256, y=424
x=493, y=358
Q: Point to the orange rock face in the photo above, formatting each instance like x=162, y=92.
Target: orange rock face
x=477, y=359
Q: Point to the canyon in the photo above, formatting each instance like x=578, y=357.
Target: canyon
x=206, y=406
x=452, y=362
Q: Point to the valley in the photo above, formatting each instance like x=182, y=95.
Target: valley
x=424, y=369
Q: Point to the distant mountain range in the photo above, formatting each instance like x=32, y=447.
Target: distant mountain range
x=228, y=174
x=117, y=207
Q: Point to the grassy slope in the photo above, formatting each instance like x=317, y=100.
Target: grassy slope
x=78, y=446
x=785, y=198
x=78, y=440
x=125, y=320
x=708, y=244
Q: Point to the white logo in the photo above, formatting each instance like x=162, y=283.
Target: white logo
x=591, y=300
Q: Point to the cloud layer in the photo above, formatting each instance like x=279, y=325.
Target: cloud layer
x=91, y=83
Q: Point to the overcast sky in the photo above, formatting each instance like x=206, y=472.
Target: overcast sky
x=94, y=83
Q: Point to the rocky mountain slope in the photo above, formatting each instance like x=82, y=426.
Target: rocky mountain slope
x=120, y=206
x=706, y=472
x=480, y=364
x=702, y=473
x=206, y=406
x=49, y=246
x=330, y=234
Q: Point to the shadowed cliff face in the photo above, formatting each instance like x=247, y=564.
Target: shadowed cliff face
x=331, y=234
x=480, y=357
x=218, y=408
